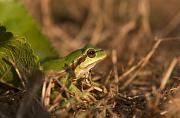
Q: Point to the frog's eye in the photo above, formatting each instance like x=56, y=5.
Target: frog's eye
x=91, y=53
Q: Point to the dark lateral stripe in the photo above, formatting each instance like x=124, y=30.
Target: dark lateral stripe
x=78, y=62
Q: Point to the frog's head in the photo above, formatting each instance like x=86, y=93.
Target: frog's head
x=93, y=55
x=90, y=57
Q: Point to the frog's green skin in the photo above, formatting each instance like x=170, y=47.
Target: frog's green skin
x=80, y=61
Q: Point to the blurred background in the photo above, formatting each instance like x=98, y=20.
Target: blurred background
x=126, y=25
x=130, y=27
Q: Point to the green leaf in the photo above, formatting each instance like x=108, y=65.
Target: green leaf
x=15, y=17
x=17, y=59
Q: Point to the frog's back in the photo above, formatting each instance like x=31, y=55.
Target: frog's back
x=55, y=65
x=59, y=64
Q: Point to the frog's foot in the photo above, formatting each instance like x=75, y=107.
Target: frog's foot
x=82, y=95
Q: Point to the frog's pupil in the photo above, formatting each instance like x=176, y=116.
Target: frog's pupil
x=91, y=53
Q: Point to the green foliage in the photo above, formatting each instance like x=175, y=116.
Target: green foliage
x=14, y=16
x=17, y=59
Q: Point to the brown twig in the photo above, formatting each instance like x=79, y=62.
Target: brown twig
x=168, y=73
x=139, y=65
x=165, y=78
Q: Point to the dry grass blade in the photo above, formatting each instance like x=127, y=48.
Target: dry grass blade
x=114, y=60
x=142, y=62
x=48, y=93
x=144, y=9
x=114, y=83
x=23, y=81
x=146, y=59
x=137, y=68
x=171, y=25
x=43, y=91
x=168, y=73
x=165, y=78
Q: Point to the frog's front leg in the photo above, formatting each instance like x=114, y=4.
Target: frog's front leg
x=90, y=82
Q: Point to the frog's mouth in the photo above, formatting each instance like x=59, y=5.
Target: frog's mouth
x=90, y=66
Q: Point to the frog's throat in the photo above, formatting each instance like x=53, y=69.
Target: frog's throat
x=82, y=71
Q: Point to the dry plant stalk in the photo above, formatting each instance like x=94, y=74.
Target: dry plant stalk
x=114, y=85
x=137, y=68
x=165, y=79
x=168, y=73
x=171, y=25
x=46, y=92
